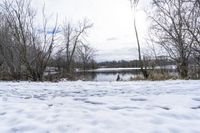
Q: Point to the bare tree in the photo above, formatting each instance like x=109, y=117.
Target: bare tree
x=169, y=25
x=60, y=60
x=34, y=46
x=193, y=26
x=86, y=55
x=134, y=4
x=8, y=50
x=74, y=36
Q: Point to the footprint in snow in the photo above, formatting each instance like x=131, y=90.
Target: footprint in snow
x=3, y=113
x=196, y=99
x=165, y=108
x=39, y=97
x=161, y=107
x=198, y=107
x=138, y=99
x=50, y=105
x=120, y=108
x=80, y=99
x=94, y=103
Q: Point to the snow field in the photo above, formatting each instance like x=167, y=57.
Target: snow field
x=100, y=107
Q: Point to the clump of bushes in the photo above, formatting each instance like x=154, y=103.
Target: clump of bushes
x=155, y=76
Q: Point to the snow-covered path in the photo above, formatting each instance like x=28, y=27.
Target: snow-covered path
x=100, y=107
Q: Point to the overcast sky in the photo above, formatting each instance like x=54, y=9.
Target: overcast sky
x=113, y=34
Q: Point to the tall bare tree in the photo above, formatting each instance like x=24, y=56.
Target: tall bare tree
x=74, y=36
x=193, y=26
x=170, y=27
x=9, y=50
x=134, y=4
x=33, y=45
x=86, y=55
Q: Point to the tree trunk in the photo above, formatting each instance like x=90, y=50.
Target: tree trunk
x=183, y=70
x=144, y=71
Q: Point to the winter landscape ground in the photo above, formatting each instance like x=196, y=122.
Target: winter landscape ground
x=100, y=107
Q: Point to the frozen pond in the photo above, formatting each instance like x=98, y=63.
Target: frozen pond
x=110, y=74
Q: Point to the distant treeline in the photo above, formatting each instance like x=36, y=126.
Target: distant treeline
x=134, y=63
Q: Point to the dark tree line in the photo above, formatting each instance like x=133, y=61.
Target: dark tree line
x=134, y=63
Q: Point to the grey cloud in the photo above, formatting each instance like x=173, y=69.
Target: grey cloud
x=117, y=54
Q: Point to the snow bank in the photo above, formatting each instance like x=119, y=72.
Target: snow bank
x=100, y=107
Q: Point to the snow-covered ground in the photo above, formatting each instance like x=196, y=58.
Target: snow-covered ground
x=100, y=107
